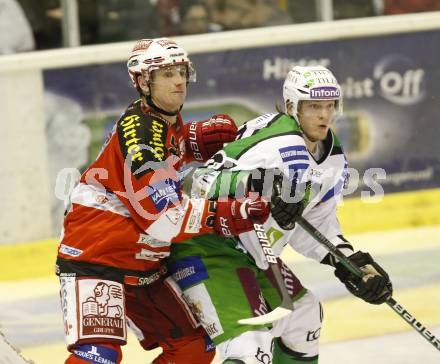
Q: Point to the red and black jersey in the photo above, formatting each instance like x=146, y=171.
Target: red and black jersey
x=129, y=205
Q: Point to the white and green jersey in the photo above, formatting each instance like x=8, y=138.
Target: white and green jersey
x=275, y=141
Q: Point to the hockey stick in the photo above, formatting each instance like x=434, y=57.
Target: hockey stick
x=9, y=354
x=286, y=306
x=401, y=311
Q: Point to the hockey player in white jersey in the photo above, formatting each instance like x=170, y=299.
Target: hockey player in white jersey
x=226, y=279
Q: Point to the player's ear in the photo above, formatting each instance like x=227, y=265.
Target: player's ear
x=289, y=107
x=143, y=84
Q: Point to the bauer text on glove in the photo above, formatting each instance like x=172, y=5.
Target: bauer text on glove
x=205, y=138
x=234, y=217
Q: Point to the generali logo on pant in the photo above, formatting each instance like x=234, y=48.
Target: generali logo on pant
x=102, y=311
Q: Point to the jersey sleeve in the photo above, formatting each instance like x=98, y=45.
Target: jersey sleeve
x=324, y=218
x=147, y=166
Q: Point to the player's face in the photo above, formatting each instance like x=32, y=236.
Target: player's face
x=168, y=87
x=315, y=118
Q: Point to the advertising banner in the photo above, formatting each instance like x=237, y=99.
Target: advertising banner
x=391, y=87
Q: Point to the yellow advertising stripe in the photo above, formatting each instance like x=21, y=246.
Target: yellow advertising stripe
x=28, y=289
x=385, y=242
x=28, y=260
x=351, y=318
x=394, y=211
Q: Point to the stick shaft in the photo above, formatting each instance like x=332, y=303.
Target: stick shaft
x=286, y=306
x=273, y=265
x=400, y=310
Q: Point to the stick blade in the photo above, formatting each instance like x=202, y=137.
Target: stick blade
x=272, y=316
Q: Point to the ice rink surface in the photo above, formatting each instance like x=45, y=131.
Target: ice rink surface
x=353, y=331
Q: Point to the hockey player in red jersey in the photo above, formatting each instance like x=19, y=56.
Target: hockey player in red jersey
x=128, y=209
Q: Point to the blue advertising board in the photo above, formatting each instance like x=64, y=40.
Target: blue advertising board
x=391, y=87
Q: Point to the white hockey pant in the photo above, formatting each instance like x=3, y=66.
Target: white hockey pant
x=299, y=331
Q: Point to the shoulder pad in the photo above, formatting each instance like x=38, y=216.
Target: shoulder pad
x=263, y=119
x=142, y=139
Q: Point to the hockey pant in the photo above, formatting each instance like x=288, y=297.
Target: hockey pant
x=222, y=285
x=293, y=339
x=97, y=311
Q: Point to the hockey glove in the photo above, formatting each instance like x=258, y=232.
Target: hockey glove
x=205, y=138
x=234, y=217
x=284, y=212
x=374, y=287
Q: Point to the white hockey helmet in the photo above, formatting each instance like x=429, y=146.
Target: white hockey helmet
x=151, y=54
x=311, y=83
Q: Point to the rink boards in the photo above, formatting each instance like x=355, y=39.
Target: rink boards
x=30, y=316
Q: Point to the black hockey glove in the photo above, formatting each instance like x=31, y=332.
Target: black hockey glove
x=375, y=287
x=281, y=192
x=284, y=213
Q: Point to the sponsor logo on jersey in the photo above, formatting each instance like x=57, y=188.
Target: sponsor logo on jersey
x=96, y=354
x=102, y=309
x=315, y=174
x=293, y=153
x=296, y=159
x=143, y=281
x=154, y=256
x=325, y=92
x=164, y=193
x=101, y=199
x=131, y=141
x=157, y=142
x=194, y=222
x=68, y=250
x=188, y=271
x=154, y=243
x=143, y=142
x=175, y=215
